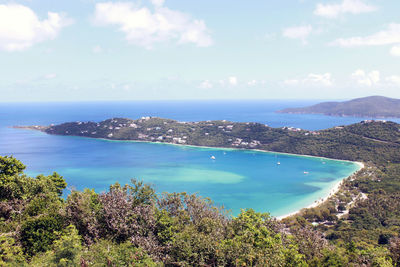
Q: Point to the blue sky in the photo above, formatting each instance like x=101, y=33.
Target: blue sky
x=173, y=49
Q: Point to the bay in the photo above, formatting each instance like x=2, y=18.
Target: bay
x=236, y=179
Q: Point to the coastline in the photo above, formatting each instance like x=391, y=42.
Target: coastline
x=195, y=146
x=332, y=191
x=224, y=148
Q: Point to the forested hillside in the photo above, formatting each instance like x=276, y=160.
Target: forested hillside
x=131, y=226
x=368, y=141
x=372, y=106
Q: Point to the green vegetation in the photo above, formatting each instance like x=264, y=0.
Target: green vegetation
x=131, y=226
x=373, y=106
x=370, y=141
x=358, y=226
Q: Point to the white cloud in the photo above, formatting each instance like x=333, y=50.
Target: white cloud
x=386, y=37
x=97, y=49
x=20, y=27
x=395, y=51
x=319, y=79
x=233, y=81
x=366, y=79
x=291, y=82
x=252, y=83
x=206, y=85
x=312, y=79
x=126, y=87
x=230, y=82
x=374, y=76
x=157, y=3
x=298, y=32
x=145, y=28
x=222, y=82
x=50, y=76
x=346, y=6
x=394, y=79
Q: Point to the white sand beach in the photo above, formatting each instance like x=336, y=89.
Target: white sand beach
x=332, y=192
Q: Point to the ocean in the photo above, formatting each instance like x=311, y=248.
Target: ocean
x=236, y=179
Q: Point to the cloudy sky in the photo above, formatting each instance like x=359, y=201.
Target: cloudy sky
x=174, y=49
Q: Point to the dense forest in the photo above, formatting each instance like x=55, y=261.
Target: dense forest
x=130, y=225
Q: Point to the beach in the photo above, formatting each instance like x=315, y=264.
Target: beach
x=227, y=176
x=320, y=201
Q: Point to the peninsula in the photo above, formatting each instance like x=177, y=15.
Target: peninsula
x=367, y=141
x=372, y=106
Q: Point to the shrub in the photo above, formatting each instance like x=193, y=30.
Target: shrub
x=37, y=235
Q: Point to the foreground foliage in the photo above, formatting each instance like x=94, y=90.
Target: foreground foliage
x=131, y=226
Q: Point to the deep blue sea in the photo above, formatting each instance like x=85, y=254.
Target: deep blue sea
x=236, y=179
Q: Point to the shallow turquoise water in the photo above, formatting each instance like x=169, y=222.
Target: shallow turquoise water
x=236, y=178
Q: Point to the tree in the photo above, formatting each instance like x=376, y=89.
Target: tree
x=106, y=253
x=395, y=250
x=10, y=166
x=332, y=258
x=37, y=235
x=57, y=181
x=15, y=185
x=254, y=241
x=66, y=251
x=311, y=242
x=10, y=185
x=10, y=252
x=128, y=213
x=84, y=210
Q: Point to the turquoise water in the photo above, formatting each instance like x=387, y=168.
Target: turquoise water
x=236, y=178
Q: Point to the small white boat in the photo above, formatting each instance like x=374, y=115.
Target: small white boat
x=212, y=157
x=278, y=163
x=306, y=172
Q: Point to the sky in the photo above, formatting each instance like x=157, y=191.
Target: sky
x=79, y=50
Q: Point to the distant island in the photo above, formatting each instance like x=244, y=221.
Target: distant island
x=364, y=141
x=372, y=106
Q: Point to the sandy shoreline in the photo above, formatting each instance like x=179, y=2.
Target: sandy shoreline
x=333, y=191
x=210, y=147
x=225, y=148
x=316, y=203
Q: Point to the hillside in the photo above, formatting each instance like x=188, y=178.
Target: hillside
x=375, y=141
x=372, y=106
x=131, y=225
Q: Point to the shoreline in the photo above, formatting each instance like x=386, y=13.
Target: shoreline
x=218, y=148
x=335, y=188
x=195, y=146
